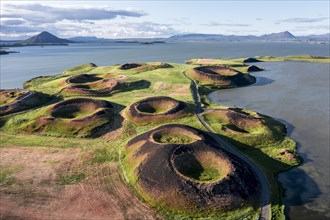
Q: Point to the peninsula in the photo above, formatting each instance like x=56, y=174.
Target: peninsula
x=142, y=140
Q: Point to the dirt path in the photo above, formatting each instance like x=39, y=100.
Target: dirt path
x=32, y=187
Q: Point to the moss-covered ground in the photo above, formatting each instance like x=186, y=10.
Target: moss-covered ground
x=272, y=157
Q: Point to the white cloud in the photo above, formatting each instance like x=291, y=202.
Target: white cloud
x=213, y=24
x=28, y=19
x=38, y=13
x=303, y=20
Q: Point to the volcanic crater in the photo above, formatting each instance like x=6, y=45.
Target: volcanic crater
x=89, y=84
x=156, y=109
x=180, y=168
x=245, y=126
x=222, y=76
x=78, y=116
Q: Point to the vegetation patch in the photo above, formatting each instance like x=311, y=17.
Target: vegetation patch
x=306, y=58
x=174, y=135
x=73, y=178
x=193, y=177
x=204, y=167
x=6, y=174
x=221, y=76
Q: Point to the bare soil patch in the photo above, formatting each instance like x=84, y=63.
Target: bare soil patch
x=37, y=192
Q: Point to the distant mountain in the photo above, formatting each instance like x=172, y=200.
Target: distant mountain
x=320, y=37
x=282, y=36
x=286, y=35
x=44, y=38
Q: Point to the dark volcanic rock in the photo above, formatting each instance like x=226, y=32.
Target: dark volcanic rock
x=128, y=66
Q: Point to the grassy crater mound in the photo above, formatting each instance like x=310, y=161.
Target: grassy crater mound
x=156, y=109
x=222, y=76
x=82, y=117
x=16, y=100
x=189, y=175
x=78, y=108
x=245, y=126
x=99, y=87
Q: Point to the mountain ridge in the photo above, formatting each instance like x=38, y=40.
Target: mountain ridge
x=198, y=37
x=46, y=38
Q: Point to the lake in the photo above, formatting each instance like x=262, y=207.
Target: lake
x=296, y=93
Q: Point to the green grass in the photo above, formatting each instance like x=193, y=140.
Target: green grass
x=209, y=173
x=6, y=174
x=104, y=155
x=34, y=140
x=72, y=178
x=198, y=172
x=173, y=138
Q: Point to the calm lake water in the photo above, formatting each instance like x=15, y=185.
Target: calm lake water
x=296, y=93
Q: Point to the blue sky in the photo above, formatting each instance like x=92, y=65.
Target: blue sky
x=121, y=19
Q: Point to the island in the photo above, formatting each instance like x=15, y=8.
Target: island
x=142, y=140
x=5, y=52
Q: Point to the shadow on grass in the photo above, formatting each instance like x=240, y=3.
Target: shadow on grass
x=114, y=124
x=130, y=86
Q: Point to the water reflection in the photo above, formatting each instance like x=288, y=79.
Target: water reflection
x=261, y=81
